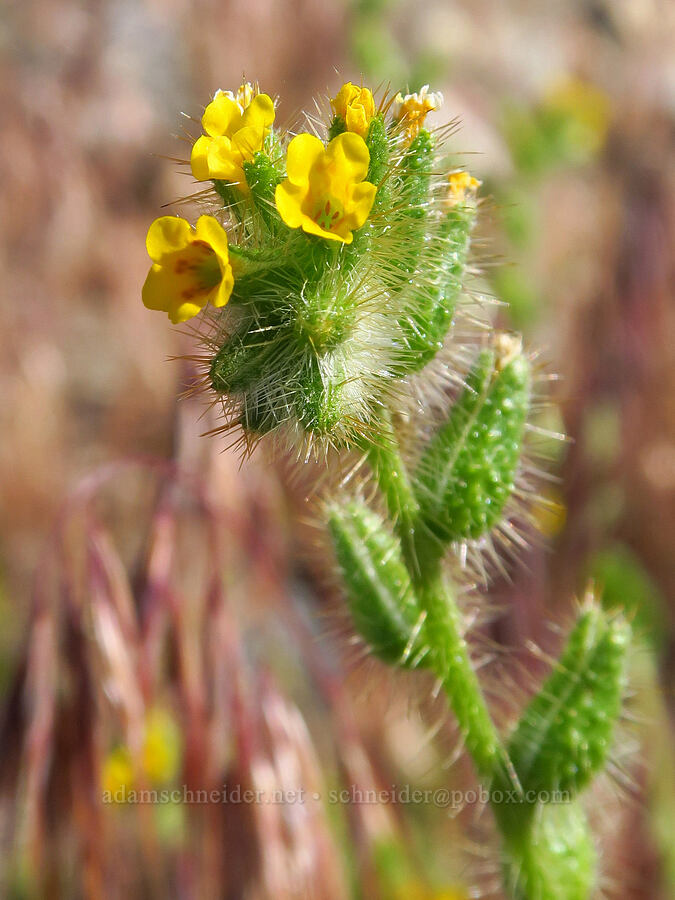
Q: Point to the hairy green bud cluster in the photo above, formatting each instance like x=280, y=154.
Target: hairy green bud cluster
x=317, y=331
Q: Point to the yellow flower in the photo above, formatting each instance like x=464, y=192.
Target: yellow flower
x=159, y=761
x=117, y=776
x=245, y=94
x=191, y=267
x=587, y=107
x=324, y=193
x=235, y=129
x=462, y=187
x=550, y=514
x=161, y=747
x=416, y=890
x=413, y=108
x=356, y=106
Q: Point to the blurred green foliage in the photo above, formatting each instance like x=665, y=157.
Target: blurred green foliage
x=625, y=584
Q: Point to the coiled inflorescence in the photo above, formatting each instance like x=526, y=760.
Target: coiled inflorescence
x=340, y=261
x=328, y=273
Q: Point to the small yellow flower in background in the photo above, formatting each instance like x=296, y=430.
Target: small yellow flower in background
x=550, y=514
x=461, y=187
x=118, y=773
x=191, y=267
x=587, y=106
x=235, y=129
x=416, y=890
x=356, y=106
x=161, y=748
x=324, y=193
x=413, y=108
x=159, y=761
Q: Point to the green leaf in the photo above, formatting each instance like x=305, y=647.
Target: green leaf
x=564, y=735
x=556, y=861
x=320, y=396
x=243, y=359
x=262, y=178
x=379, y=592
x=467, y=473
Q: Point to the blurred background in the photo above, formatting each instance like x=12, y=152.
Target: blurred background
x=166, y=617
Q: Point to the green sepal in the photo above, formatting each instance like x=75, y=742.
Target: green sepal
x=378, y=147
x=554, y=858
x=337, y=126
x=379, y=592
x=262, y=178
x=260, y=414
x=243, y=358
x=324, y=315
x=467, y=473
x=564, y=735
x=232, y=198
x=320, y=397
x=415, y=173
x=431, y=306
x=411, y=182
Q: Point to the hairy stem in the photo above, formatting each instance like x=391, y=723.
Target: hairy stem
x=452, y=665
x=392, y=477
x=442, y=627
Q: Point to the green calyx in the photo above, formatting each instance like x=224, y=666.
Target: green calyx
x=555, y=860
x=378, y=587
x=437, y=244
x=467, y=473
x=565, y=734
x=241, y=362
x=337, y=126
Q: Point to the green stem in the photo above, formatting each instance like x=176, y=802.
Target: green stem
x=452, y=665
x=442, y=627
x=392, y=478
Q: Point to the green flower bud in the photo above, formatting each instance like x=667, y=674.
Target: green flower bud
x=379, y=592
x=556, y=861
x=467, y=473
x=565, y=734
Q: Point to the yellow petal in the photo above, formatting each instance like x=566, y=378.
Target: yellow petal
x=259, y=113
x=209, y=230
x=350, y=154
x=247, y=141
x=224, y=289
x=357, y=121
x=224, y=160
x=154, y=292
x=166, y=235
x=199, y=158
x=356, y=106
x=221, y=116
x=288, y=198
x=311, y=227
x=303, y=151
x=344, y=97
x=181, y=312
x=361, y=203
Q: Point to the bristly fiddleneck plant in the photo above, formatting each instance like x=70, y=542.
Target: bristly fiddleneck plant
x=332, y=270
